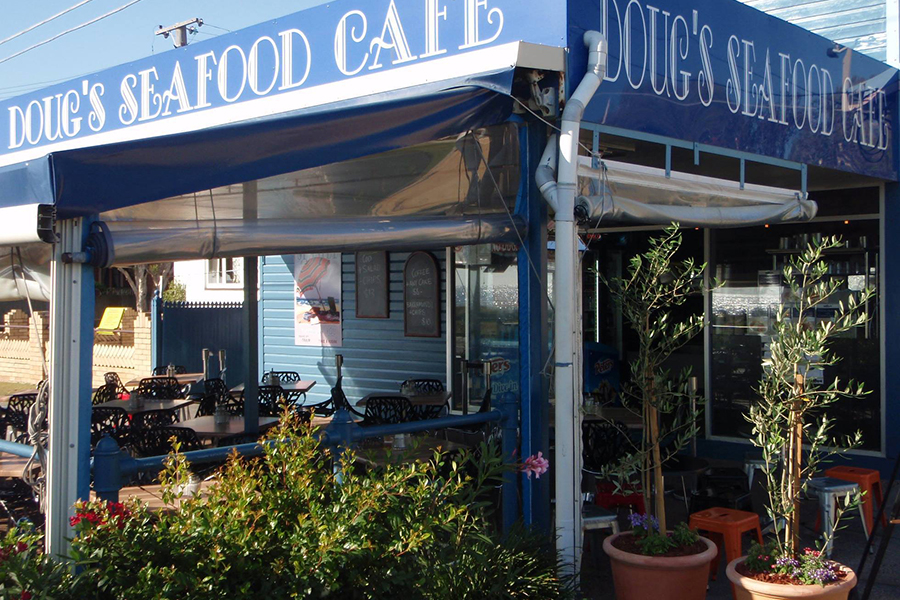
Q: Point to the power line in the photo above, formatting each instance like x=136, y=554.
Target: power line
x=44, y=22
x=216, y=27
x=67, y=31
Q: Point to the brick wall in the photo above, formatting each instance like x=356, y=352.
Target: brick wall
x=127, y=353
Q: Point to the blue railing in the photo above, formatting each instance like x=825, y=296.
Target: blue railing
x=23, y=450
x=112, y=467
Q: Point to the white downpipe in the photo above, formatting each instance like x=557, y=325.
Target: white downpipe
x=566, y=288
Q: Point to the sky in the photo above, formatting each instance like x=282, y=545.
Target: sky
x=121, y=38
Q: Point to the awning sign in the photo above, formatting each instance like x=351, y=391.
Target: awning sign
x=328, y=53
x=721, y=73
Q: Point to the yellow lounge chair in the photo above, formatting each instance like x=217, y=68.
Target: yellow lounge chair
x=111, y=322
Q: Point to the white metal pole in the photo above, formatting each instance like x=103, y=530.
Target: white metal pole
x=567, y=320
x=71, y=358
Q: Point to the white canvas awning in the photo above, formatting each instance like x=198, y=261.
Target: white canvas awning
x=624, y=194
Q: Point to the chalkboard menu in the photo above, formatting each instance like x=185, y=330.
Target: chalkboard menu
x=422, y=296
x=372, y=281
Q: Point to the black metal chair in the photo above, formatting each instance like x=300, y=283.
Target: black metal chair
x=113, y=421
x=283, y=376
x=159, y=388
x=105, y=393
x=17, y=414
x=271, y=401
x=164, y=370
x=154, y=419
x=216, y=395
x=19, y=503
x=387, y=410
x=157, y=441
x=112, y=379
x=421, y=387
x=603, y=443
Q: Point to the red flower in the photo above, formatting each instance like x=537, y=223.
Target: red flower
x=21, y=547
x=26, y=595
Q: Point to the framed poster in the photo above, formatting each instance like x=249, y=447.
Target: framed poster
x=372, y=285
x=317, y=300
x=421, y=296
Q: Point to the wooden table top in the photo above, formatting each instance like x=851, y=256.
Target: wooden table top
x=207, y=428
x=12, y=465
x=132, y=406
x=292, y=387
x=151, y=495
x=438, y=399
x=183, y=379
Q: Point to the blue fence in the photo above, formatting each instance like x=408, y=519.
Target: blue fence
x=183, y=329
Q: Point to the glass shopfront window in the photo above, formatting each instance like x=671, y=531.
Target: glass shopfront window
x=743, y=310
x=486, y=318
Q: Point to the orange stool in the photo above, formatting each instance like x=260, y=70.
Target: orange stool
x=727, y=526
x=869, y=481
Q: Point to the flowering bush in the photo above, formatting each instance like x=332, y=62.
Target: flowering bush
x=808, y=568
x=651, y=542
x=26, y=573
x=289, y=525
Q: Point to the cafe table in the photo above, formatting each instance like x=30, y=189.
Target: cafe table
x=13, y=466
x=207, y=428
x=183, y=379
x=133, y=407
x=292, y=389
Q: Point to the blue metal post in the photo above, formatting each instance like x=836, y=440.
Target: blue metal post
x=509, y=426
x=107, y=469
x=890, y=297
x=533, y=321
x=251, y=322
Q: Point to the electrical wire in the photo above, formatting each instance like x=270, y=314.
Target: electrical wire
x=205, y=24
x=44, y=22
x=68, y=31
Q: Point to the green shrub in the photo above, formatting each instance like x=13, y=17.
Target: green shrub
x=281, y=526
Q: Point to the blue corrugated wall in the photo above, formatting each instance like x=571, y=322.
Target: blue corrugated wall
x=377, y=356
x=857, y=24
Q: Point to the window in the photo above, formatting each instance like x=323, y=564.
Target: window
x=224, y=272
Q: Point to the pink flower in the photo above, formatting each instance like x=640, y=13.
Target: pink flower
x=535, y=464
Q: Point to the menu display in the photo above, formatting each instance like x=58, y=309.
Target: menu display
x=421, y=296
x=372, y=282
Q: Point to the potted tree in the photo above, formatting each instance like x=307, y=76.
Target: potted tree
x=794, y=433
x=678, y=561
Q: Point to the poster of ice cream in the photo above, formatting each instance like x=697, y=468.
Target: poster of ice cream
x=317, y=300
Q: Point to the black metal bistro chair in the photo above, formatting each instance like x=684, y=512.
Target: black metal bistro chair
x=387, y=410
x=103, y=394
x=112, y=379
x=158, y=441
x=151, y=419
x=421, y=387
x=216, y=394
x=17, y=414
x=159, y=388
x=283, y=376
x=112, y=421
x=164, y=370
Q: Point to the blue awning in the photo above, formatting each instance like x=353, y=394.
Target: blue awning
x=100, y=178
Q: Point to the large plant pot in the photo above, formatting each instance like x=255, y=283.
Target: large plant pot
x=639, y=577
x=747, y=588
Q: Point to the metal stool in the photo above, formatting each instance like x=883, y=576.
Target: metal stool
x=728, y=525
x=753, y=461
x=869, y=481
x=593, y=519
x=828, y=490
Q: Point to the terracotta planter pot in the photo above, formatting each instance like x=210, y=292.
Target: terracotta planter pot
x=639, y=577
x=747, y=588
